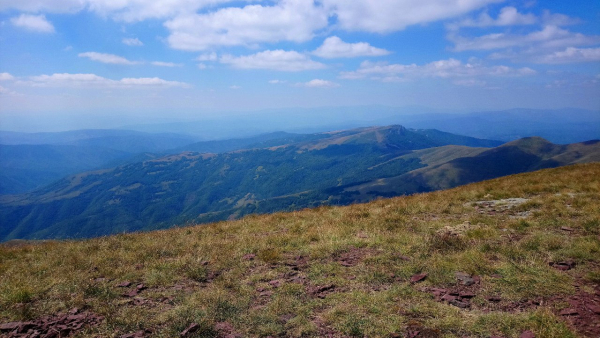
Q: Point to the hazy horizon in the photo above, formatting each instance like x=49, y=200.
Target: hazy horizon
x=93, y=63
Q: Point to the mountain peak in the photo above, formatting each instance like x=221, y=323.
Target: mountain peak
x=534, y=145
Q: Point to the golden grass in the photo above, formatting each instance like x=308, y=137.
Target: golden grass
x=202, y=270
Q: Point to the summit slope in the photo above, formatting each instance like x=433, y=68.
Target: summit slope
x=508, y=257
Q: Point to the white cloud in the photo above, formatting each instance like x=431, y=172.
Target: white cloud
x=384, y=16
x=34, y=23
x=288, y=20
x=289, y=61
x=234, y=87
x=572, y=55
x=54, y=6
x=6, y=77
x=318, y=83
x=450, y=68
x=508, y=16
x=201, y=66
x=276, y=81
x=107, y=58
x=207, y=57
x=548, y=37
x=165, y=64
x=93, y=80
x=7, y=92
x=151, y=81
x=334, y=47
x=551, y=19
x=132, y=42
x=123, y=10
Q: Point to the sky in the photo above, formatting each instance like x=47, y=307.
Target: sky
x=137, y=60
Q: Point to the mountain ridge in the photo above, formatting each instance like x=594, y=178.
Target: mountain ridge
x=337, y=168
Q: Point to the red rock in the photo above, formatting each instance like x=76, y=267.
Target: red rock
x=131, y=293
x=75, y=317
x=26, y=326
x=448, y=298
x=467, y=294
x=594, y=308
x=141, y=287
x=125, y=284
x=495, y=275
x=563, y=266
x=9, y=326
x=326, y=288
x=190, y=329
x=527, y=334
x=568, y=312
x=438, y=292
x=266, y=293
x=404, y=258
x=275, y=283
x=418, y=278
x=494, y=299
x=566, y=229
x=413, y=333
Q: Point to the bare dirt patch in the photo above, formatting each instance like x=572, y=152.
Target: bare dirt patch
x=354, y=256
x=52, y=326
x=583, y=311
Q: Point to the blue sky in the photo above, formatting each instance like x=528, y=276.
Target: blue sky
x=137, y=59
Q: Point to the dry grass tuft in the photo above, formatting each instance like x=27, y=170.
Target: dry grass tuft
x=335, y=271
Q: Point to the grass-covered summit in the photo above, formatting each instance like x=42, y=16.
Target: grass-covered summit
x=512, y=257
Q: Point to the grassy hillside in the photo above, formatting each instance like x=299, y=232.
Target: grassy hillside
x=527, y=154
x=188, y=187
x=504, y=258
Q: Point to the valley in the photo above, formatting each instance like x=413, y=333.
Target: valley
x=276, y=172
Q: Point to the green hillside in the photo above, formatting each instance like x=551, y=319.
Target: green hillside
x=512, y=257
x=527, y=154
x=193, y=187
x=335, y=168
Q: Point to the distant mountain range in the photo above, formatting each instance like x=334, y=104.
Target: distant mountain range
x=276, y=172
x=32, y=160
x=29, y=161
x=562, y=126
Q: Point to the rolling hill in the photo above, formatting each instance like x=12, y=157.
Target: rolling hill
x=527, y=154
x=192, y=186
x=32, y=160
x=334, y=168
x=510, y=257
